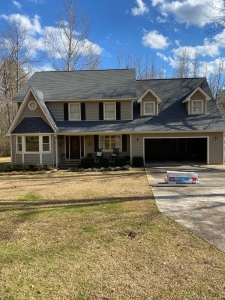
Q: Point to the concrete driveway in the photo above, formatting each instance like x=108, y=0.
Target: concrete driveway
x=200, y=208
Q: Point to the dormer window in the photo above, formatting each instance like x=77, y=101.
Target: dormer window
x=197, y=106
x=149, y=108
x=196, y=102
x=149, y=103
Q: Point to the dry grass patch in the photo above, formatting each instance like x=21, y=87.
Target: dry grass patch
x=98, y=236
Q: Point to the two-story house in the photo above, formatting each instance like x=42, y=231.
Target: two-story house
x=69, y=115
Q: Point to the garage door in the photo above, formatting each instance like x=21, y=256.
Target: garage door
x=176, y=149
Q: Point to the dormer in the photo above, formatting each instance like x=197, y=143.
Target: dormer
x=196, y=102
x=149, y=102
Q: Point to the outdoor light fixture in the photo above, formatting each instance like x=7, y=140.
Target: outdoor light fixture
x=137, y=141
x=215, y=139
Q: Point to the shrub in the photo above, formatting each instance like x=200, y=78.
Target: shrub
x=138, y=161
x=24, y=167
x=9, y=166
x=87, y=162
x=49, y=167
x=120, y=161
x=104, y=162
x=39, y=167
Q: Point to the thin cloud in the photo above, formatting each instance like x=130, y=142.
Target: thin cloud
x=190, y=12
x=17, y=4
x=140, y=10
x=155, y=40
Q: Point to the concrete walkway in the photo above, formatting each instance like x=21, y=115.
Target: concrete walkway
x=200, y=208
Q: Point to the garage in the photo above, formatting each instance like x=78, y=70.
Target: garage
x=176, y=149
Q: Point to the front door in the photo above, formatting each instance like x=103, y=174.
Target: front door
x=74, y=147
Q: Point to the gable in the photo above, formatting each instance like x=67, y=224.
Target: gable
x=28, y=113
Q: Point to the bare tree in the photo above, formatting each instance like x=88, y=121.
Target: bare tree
x=217, y=83
x=68, y=45
x=144, y=65
x=17, y=60
x=217, y=18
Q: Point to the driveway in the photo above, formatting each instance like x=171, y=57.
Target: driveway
x=200, y=208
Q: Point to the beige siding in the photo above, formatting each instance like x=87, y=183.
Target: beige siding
x=48, y=159
x=28, y=113
x=92, y=111
x=32, y=159
x=215, y=149
x=16, y=158
x=126, y=110
x=57, y=110
x=197, y=96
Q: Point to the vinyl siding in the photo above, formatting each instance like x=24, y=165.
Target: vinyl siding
x=32, y=159
x=215, y=150
x=28, y=113
x=91, y=109
x=126, y=110
x=16, y=158
x=57, y=110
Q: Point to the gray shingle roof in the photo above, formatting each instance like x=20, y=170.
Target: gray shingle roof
x=120, y=84
x=33, y=125
x=172, y=115
x=94, y=84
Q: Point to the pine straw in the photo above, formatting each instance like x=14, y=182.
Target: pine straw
x=98, y=236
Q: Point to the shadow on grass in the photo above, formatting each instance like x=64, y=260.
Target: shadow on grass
x=60, y=204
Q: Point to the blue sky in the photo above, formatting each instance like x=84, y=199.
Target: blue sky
x=161, y=28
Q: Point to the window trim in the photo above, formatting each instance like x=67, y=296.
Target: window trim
x=30, y=105
x=40, y=144
x=79, y=111
x=202, y=106
x=110, y=142
x=114, y=104
x=154, y=108
x=17, y=143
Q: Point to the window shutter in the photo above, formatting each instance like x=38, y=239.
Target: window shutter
x=96, y=143
x=101, y=111
x=83, y=113
x=117, y=110
x=124, y=142
x=66, y=113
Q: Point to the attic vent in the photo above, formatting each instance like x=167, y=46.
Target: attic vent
x=32, y=105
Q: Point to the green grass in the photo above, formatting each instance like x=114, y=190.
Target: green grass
x=84, y=238
x=29, y=197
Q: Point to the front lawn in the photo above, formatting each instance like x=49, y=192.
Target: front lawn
x=98, y=235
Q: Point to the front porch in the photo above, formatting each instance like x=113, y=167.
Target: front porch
x=71, y=149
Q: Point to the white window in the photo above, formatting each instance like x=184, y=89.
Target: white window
x=46, y=143
x=109, y=111
x=149, y=108
x=108, y=142
x=32, y=143
x=19, y=146
x=197, y=107
x=74, y=112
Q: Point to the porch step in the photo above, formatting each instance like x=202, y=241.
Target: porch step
x=68, y=164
